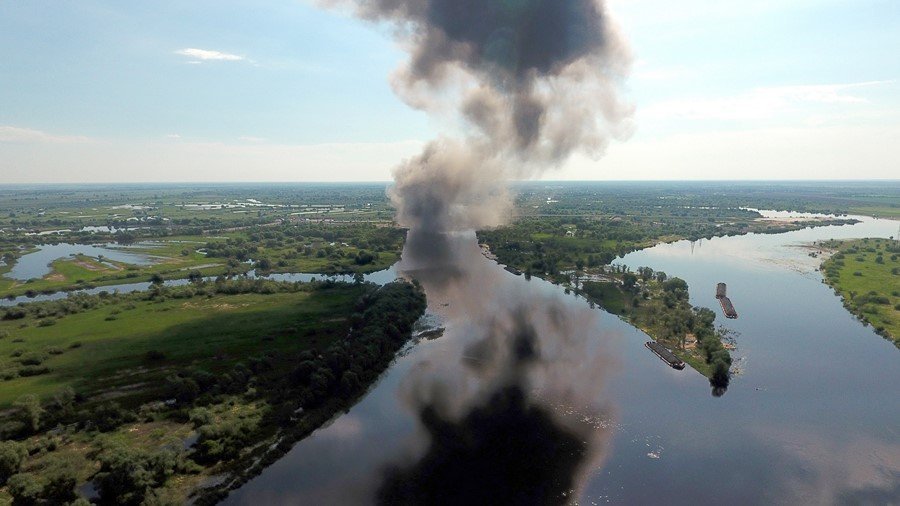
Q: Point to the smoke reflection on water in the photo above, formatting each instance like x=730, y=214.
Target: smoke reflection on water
x=489, y=427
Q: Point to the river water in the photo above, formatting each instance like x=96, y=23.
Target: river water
x=813, y=416
x=37, y=264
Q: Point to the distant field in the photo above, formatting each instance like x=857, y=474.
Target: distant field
x=106, y=348
x=892, y=212
x=866, y=273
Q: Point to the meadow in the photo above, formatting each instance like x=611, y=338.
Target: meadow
x=866, y=274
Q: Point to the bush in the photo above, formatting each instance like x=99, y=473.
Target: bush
x=24, y=488
x=32, y=359
x=12, y=454
x=33, y=370
x=110, y=415
x=128, y=475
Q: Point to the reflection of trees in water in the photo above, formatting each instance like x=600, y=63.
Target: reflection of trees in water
x=505, y=451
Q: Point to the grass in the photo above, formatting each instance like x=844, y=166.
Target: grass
x=607, y=295
x=870, y=289
x=113, y=340
x=878, y=211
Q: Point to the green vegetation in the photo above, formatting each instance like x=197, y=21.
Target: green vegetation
x=550, y=247
x=659, y=306
x=197, y=231
x=866, y=274
x=105, y=388
x=317, y=248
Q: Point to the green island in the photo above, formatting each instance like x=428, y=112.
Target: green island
x=178, y=392
x=659, y=306
x=865, y=273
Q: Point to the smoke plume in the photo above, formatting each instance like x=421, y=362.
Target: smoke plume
x=533, y=80
x=511, y=406
x=509, y=413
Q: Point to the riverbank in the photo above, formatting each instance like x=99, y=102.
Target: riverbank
x=188, y=384
x=865, y=273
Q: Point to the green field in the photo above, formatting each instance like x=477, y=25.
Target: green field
x=866, y=274
x=111, y=342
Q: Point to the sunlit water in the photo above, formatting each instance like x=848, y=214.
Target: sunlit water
x=37, y=264
x=813, y=416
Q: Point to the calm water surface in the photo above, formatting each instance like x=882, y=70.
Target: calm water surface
x=813, y=416
x=37, y=264
x=380, y=277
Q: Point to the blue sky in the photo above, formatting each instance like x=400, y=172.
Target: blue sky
x=288, y=91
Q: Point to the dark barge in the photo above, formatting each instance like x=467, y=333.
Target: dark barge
x=727, y=306
x=512, y=269
x=666, y=355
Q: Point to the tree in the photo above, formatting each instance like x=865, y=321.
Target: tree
x=62, y=479
x=30, y=411
x=24, y=488
x=628, y=281
x=12, y=454
x=156, y=279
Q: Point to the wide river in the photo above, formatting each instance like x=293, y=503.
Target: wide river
x=813, y=417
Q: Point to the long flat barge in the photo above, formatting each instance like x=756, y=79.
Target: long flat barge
x=727, y=306
x=512, y=269
x=663, y=353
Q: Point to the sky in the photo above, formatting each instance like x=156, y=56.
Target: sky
x=228, y=90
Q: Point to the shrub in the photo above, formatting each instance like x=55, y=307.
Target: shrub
x=33, y=370
x=32, y=359
x=24, y=488
x=12, y=454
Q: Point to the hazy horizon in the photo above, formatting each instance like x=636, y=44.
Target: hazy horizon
x=99, y=92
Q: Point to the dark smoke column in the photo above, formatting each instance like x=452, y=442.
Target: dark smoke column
x=509, y=411
x=535, y=81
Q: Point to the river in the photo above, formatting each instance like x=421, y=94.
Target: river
x=812, y=417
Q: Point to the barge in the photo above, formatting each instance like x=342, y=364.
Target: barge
x=727, y=306
x=512, y=269
x=665, y=355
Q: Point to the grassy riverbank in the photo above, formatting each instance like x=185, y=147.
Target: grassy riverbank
x=866, y=274
x=107, y=389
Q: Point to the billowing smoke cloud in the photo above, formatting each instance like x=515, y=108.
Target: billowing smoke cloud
x=511, y=406
x=510, y=413
x=534, y=81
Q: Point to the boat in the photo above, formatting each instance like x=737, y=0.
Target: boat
x=663, y=353
x=512, y=269
x=727, y=306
